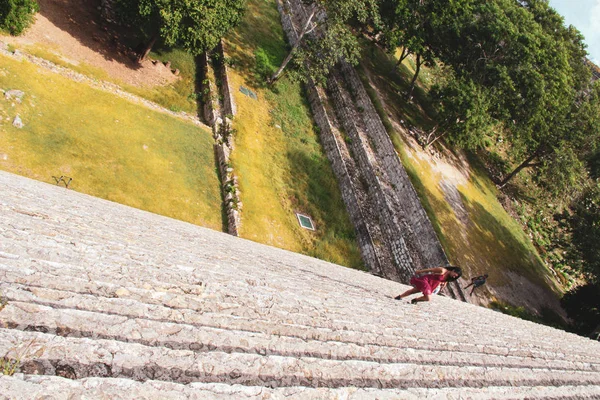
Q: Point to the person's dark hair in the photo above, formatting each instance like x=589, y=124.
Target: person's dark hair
x=453, y=269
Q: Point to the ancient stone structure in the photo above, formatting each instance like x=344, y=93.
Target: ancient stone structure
x=102, y=300
x=219, y=107
x=394, y=232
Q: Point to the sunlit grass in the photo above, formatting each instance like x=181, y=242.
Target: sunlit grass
x=176, y=96
x=111, y=148
x=179, y=95
x=280, y=164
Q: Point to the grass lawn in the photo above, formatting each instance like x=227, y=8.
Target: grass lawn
x=177, y=96
x=475, y=230
x=112, y=148
x=278, y=158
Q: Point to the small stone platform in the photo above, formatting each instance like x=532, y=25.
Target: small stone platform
x=107, y=301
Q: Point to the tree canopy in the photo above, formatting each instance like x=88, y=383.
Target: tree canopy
x=327, y=35
x=194, y=25
x=525, y=68
x=17, y=15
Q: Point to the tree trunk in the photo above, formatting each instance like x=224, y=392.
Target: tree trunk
x=287, y=59
x=414, y=79
x=144, y=53
x=435, y=139
x=403, y=55
x=524, y=164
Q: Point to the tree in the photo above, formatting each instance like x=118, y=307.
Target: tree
x=585, y=231
x=406, y=24
x=463, y=112
x=526, y=64
x=17, y=15
x=582, y=305
x=194, y=25
x=326, y=36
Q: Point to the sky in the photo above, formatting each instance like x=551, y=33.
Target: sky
x=585, y=16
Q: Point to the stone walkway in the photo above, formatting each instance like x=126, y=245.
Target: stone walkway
x=108, y=301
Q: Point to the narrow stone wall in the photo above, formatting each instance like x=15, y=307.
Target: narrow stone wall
x=355, y=198
x=217, y=115
x=400, y=193
x=210, y=103
x=229, y=107
x=349, y=190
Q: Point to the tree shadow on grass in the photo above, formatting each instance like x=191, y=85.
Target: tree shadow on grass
x=394, y=82
x=81, y=19
x=316, y=192
x=259, y=32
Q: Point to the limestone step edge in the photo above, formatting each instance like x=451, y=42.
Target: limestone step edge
x=81, y=358
x=182, y=336
x=26, y=387
x=126, y=308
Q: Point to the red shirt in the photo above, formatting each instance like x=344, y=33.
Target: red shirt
x=426, y=284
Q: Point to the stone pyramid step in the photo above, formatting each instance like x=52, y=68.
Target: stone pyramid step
x=198, y=302
x=25, y=387
x=186, y=336
x=245, y=321
x=120, y=299
x=77, y=358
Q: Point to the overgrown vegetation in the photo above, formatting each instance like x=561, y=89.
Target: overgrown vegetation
x=17, y=15
x=11, y=362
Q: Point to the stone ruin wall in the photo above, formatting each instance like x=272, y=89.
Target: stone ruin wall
x=386, y=218
x=332, y=146
x=229, y=107
x=406, y=231
x=401, y=192
x=218, y=116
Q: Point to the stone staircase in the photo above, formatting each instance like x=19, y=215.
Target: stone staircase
x=107, y=301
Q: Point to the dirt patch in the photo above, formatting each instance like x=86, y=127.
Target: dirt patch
x=74, y=31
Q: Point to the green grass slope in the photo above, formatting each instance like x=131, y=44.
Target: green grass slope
x=112, y=148
x=278, y=158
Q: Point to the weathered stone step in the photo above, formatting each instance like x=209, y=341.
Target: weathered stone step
x=205, y=316
x=81, y=358
x=26, y=387
x=185, y=336
x=192, y=304
x=472, y=324
x=506, y=333
x=224, y=305
x=266, y=324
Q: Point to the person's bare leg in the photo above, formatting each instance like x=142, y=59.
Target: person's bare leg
x=422, y=298
x=407, y=293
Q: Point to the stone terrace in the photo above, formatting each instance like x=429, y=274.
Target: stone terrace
x=107, y=301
